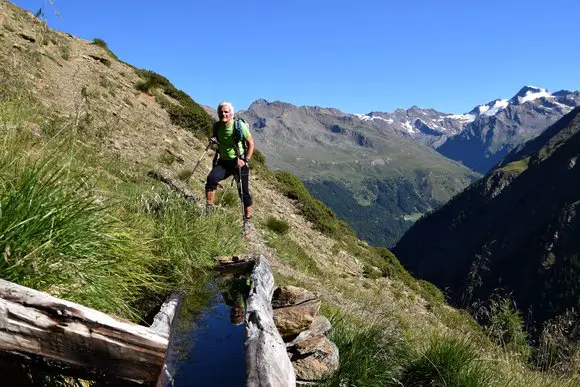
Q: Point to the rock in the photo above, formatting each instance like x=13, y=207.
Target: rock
x=291, y=295
x=319, y=327
x=309, y=344
x=318, y=365
x=292, y=320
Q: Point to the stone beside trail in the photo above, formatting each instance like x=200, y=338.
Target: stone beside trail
x=313, y=356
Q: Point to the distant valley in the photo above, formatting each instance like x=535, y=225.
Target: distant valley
x=382, y=171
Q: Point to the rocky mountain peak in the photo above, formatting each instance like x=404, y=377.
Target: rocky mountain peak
x=529, y=93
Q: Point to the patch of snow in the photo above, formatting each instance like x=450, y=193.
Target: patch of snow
x=498, y=105
x=465, y=118
x=407, y=125
x=482, y=109
x=532, y=95
x=366, y=117
x=387, y=120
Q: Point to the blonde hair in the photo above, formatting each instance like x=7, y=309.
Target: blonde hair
x=228, y=104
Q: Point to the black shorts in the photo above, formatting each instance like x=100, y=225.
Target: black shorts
x=226, y=168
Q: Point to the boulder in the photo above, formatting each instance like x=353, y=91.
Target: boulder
x=291, y=320
x=319, y=327
x=290, y=295
x=319, y=364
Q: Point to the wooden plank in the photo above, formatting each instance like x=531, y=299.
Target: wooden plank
x=266, y=359
x=163, y=322
x=33, y=324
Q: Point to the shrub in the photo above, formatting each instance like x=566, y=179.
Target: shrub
x=187, y=113
x=430, y=292
x=448, y=361
x=503, y=323
x=101, y=43
x=279, y=226
x=258, y=157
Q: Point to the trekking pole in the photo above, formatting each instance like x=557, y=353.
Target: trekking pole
x=199, y=161
x=242, y=197
x=241, y=187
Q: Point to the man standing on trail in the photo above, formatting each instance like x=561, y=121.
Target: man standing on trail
x=233, y=157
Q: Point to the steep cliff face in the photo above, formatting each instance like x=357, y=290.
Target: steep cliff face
x=516, y=230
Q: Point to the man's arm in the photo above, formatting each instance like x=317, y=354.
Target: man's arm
x=250, y=149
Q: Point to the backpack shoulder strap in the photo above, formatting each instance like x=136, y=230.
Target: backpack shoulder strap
x=215, y=130
x=238, y=133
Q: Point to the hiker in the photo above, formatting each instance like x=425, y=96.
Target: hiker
x=233, y=158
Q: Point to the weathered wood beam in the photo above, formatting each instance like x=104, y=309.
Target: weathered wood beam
x=34, y=324
x=267, y=362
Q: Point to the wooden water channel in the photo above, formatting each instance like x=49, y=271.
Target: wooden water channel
x=69, y=339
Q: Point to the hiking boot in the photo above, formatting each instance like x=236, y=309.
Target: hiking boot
x=209, y=208
x=247, y=226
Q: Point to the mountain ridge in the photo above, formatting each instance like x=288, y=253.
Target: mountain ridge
x=470, y=248
x=392, y=178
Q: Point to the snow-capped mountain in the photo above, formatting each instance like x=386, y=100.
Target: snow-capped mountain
x=488, y=132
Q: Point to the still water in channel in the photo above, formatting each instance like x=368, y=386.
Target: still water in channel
x=210, y=350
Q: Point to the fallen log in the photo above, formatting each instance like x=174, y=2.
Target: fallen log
x=66, y=336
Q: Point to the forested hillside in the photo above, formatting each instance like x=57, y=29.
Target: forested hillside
x=513, y=233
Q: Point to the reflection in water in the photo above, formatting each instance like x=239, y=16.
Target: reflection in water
x=211, y=353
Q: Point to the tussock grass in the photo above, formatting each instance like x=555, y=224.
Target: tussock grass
x=448, y=361
x=55, y=237
x=279, y=226
x=188, y=240
x=371, y=354
x=228, y=196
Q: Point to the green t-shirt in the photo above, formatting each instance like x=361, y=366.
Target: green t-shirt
x=226, y=139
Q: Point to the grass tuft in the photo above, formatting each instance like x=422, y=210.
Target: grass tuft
x=279, y=226
x=56, y=237
x=371, y=354
x=448, y=361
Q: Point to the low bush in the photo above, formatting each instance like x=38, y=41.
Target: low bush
x=101, y=43
x=186, y=113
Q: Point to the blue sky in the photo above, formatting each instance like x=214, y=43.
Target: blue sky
x=357, y=56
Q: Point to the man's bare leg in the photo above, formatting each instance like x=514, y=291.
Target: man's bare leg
x=210, y=197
